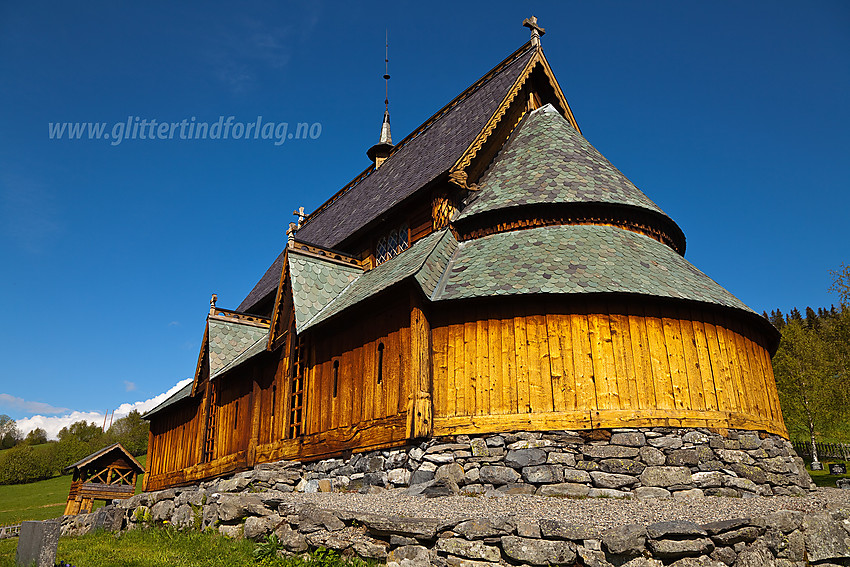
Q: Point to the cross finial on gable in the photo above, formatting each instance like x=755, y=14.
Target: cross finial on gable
x=536, y=31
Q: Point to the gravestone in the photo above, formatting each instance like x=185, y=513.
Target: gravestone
x=837, y=468
x=816, y=466
x=37, y=543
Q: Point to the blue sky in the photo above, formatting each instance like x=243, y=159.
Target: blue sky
x=732, y=116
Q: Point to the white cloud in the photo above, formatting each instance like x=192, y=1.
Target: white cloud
x=9, y=401
x=53, y=424
x=129, y=386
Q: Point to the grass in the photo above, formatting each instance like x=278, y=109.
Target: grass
x=41, y=500
x=823, y=478
x=159, y=547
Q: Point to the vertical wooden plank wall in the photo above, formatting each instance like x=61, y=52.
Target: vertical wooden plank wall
x=599, y=365
x=354, y=348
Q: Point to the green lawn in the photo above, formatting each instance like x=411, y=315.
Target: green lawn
x=149, y=548
x=40, y=500
x=823, y=478
x=156, y=547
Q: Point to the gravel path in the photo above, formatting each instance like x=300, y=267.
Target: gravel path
x=598, y=513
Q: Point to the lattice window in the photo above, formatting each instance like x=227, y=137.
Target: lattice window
x=392, y=244
x=403, y=238
x=381, y=251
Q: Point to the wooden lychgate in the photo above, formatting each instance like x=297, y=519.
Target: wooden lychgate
x=104, y=475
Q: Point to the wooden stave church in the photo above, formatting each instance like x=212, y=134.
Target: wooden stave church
x=530, y=286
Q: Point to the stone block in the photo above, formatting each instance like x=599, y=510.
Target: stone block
x=652, y=456
x=567, y=459
x=628, y=540
x=608, y=480
x=629, y=439
x=498, y=475
x=37, y=543
x=519, y=458
x=666, y=476
x=651, y=492
x=682, y=458
x=468, y=549
x=543, y=474
x=481, y=528
x=610, y=452
x=564, y=490
x=538, y=551
x=825, y=538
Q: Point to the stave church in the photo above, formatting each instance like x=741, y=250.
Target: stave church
x=490, y=272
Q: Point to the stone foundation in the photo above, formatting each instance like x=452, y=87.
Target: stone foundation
x=656, y=462
x=785, y=538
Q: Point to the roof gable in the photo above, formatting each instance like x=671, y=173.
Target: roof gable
x=315, y=283
x=229, y=339
x=116, y=450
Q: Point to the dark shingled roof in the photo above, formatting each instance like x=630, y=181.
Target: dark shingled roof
x=267, y=284
x=418, y=160
x=97, y=454
x=547, y=161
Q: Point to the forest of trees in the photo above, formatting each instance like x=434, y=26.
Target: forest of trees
x=812, y=368
x=34, y=458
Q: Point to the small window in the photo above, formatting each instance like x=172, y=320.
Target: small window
x=236, y=416
x=391, y=245
x=380, y=362
x=274, y=402
x=336, y=375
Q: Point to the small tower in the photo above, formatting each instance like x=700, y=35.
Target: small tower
x=381, y=151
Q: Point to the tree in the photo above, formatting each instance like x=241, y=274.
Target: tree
x=841, y=284
x=37, y=436
x=10, y=435
x=81, y=431
x=132, y=432
x=801, y=366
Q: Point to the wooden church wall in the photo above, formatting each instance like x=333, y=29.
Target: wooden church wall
x=365, y=413
x=535, y=365
x=172, y=435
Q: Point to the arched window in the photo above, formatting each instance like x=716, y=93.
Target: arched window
x=380, y=362
x=392, y=244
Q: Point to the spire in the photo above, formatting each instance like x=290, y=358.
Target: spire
x=536, y=31
x=381, y=151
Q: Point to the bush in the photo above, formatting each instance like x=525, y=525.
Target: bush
x=24, y=464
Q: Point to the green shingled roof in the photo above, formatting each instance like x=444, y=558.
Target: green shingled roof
x=576, y=260
x=547, y=161
x=181, y=394
x=229, y=339
x=426, y=261
x=315, y=283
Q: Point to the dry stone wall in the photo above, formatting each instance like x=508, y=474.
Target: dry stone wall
x=785, y=538
x=620, y=463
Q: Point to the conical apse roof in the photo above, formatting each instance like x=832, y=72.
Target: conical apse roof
x=547, y=162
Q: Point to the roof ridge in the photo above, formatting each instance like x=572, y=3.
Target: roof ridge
x=424, y=126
